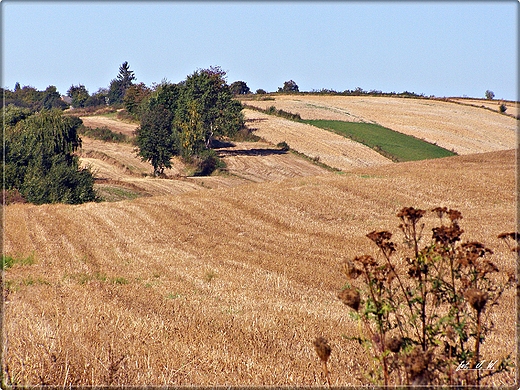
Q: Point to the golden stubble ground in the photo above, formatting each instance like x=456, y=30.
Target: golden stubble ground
x=463, y=128
x=227, y=286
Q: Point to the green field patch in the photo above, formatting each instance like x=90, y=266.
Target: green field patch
x=392, y=144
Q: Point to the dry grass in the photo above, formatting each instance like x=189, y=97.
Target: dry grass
x=229, y=286
x=331, y=149
x=462, y=128
x=512, y=107
x=113, y=124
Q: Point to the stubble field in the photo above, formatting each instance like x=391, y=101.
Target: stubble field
x=228, y=280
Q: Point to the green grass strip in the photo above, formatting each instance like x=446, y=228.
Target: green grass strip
x=389, y=143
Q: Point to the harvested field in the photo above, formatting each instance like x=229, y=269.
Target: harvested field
x=512, y=107
x=462, y=128
x=329, y=148
x=113, y=124
x=117, y=165
x=228, y=286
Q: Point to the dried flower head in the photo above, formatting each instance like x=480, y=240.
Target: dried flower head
x=379, y=237
x=440, y=211
x=477, y=298
x=447, y=234
x=411, y=215
x=395, y=344
x=416, y=364
x=366, y=260
x=515, y=237
x=350, y=297
x=323, y=349
x=454, y=215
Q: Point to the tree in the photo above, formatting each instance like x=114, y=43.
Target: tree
x=490, y=95
x=52, y=99
x=79, y=95
x=239, y=88
x=183, y=118
x=206, y=96
x=289, y=87
x=134, y=96
x=40, y=161
x=120, y=84
x=155, y=137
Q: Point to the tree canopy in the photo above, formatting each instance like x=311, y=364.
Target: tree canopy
x=182, y=119
x=39, y=159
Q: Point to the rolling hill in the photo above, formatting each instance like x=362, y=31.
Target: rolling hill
x=227, y=280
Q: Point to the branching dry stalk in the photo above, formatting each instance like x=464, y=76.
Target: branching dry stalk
x=446, y=294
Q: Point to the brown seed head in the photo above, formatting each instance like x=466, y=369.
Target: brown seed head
x=417, y=363
x=323, y=349
x=350, y=297
x=477, y=298
x=395, y=344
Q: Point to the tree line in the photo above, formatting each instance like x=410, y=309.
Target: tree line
x=182, y=119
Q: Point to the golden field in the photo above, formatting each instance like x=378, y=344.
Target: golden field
x=228, y=279
x=465, y=129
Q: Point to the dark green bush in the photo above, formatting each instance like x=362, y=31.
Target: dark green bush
x=103, y=134
x=39, y=160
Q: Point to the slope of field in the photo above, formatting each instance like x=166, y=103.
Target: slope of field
x=113, y=124
x=117, y=167
x=228, y=286
x=462, y=128
x=512, y=108
x=331, y=149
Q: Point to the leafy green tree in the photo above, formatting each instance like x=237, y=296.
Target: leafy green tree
x=239, y=88
x=98, y=98
x=155, y=137
x=79, y=95
x=120, y=84
x=134, y=96
x=289, y=87
x=490, y=95
x=218, y=114
x=182, y=119
x=52, y=99
x=40, y=161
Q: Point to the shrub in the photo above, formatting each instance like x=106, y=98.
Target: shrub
x=502, y=108
x=284, y=146
x=103, y=133
x=423, y=320
x=208, y=162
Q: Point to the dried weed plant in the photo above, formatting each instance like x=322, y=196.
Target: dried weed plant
x=425, y=322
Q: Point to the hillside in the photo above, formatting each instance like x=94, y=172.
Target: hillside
x=227, y=280
x=465, y=129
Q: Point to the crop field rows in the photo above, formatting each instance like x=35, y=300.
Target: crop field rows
x=228, y=279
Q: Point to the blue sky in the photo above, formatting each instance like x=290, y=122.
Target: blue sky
x=436, y=48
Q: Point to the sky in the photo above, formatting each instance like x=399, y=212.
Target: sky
x=439, y=48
